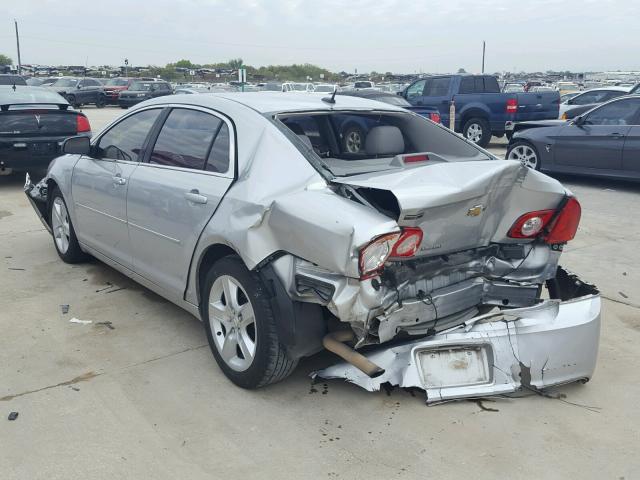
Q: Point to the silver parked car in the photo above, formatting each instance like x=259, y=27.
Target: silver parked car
x=247, y=211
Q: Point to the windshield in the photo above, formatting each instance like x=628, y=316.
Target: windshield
x=141, y=86
x=66, y=82
x=351, y=143
x=116, y=82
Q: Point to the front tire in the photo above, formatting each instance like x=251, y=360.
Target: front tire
x=64, y=235
x=72, y=100
x=240, y=326
x=525, y=153
x=478, y=131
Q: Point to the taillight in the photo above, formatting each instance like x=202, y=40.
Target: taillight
x=565, y=226
x=512, y=105
x=530, y=224
x=554, y=226
x=393, y=245
x=434, y=117
x=373, y=256
x=82, y=124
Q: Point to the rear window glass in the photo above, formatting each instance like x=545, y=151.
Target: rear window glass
x=350, y=143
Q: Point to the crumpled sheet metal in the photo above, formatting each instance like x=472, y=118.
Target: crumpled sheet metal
x=553, y=343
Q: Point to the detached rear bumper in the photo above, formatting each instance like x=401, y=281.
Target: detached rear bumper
x=550, y=344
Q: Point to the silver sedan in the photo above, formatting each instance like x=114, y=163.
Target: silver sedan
x=247, y=211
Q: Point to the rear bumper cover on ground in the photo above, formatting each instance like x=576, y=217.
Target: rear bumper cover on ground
x=533, y=348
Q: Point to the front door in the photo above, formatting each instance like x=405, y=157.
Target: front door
x=174, y=194
x=100, y=184
x=598, y=142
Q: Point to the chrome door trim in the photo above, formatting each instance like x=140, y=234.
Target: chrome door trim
x=100, y=212
x=166, y=237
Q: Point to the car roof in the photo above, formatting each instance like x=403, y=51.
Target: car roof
x=614, y=88
x=269, y=102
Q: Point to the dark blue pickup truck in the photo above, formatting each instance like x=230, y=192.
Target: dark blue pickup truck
x=481, y=110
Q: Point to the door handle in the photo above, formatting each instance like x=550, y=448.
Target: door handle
x=195, y=197
x=118, y=180
x=616, y=135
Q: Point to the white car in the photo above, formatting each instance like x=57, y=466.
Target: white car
x=593, y=97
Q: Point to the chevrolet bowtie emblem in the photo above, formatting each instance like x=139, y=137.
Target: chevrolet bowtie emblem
x=475, y=211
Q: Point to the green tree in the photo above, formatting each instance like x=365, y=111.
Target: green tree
x=462, y=70
x=4, y=60
x=184, y=64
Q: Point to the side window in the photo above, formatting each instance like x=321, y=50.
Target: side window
x=124, y=140
x=438, y=87
x=467, y=85
x=416, y=89
x=479, y=84
x=185, y=139
x=491, y=85
x=623, y=112
x=218, y=159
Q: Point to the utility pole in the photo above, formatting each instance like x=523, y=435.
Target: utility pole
x=18, y=45
x=126, y=67
x=483, y=49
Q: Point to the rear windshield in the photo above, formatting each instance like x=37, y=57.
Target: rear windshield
x=12, y=80
x=29, y=95
x=66, y=82
x=350, y=143
x=141, y=86
x=116, y=82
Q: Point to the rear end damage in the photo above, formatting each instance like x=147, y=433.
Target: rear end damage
x=551, y=343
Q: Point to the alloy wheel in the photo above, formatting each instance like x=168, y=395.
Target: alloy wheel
x=474, y=133
x=60, y=225
x=233, y=323
x=525, y=155
x=353, y=141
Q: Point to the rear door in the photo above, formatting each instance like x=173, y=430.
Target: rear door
x=173, y=195
x=100, y=182
x=599, y=142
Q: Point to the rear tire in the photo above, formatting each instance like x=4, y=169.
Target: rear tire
x=64, y=235
x=478, y=131
x=241, y=329
x=101, y=101
x=525, y=153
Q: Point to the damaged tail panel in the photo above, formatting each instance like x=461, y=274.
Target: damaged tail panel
x=552, y=343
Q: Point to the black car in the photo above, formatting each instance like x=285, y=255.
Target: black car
x=34, y=122
x=605, y=142
x=8, y=79
x=80, y=91
x=144, y=90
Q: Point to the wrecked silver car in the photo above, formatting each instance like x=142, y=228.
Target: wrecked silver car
x=419, y=258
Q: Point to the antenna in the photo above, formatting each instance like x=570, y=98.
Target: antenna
x=332, y=98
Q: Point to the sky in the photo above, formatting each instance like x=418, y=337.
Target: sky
x=368, y=35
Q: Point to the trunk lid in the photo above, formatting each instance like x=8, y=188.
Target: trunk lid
x=458, y=205
x=37, y=122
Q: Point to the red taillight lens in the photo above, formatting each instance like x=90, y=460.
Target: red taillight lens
x=393, y=245
x=530, y=224
x=434, y=117
x=82, y=124
x=558, y=229
x=373, y=256
x=512, y=105
x=565, y=225
x=408, y=243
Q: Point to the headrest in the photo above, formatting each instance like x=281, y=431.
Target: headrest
x=384, y=140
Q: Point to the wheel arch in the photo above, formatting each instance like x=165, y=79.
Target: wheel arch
x=211, y=255
x=473, y=112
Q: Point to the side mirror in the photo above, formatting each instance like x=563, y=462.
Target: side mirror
x=76, y=146
x=578, y=121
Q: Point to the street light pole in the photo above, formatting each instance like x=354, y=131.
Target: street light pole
x=18, y=46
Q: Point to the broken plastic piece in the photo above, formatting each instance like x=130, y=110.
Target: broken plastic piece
x=81, y=322
x=12, y=416
x=64, y=308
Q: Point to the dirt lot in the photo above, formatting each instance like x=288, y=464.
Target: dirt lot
x=141, y=397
